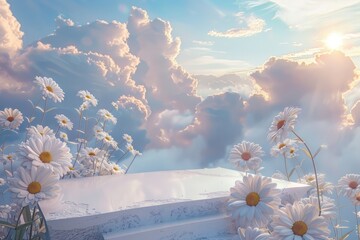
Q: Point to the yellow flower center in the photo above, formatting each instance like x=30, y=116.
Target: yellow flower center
x=49, y=89
x=9, y=157
x=299, y=228
x=64, y=121
x=282, y=145
x=292, y=151
x=280, y=124
x=71, y=168
x=245, y=156
x=87, y=97
x=92, y=154
x=107, y=138
x=353, y=184
x=311, y=178
x=107, y=115
x=252, y=199
x=10, y=119
x=116, y=168
x=45, y=157
x=34, y=187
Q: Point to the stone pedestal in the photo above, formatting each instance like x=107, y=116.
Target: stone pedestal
x=186, y=204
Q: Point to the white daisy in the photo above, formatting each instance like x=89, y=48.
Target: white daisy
x=246, y=155
x=2, y=182
x=130, y=148
x=50, y=88
x=282, y=124
x=349, y=184
x=87, y=97
x=253, y=201
x=286, y=147
x=108, y=140
x=90, y=156
x=115, y=105
x=40, y=131
x=63, y=121
x=106, y=116
x=8, y=158
x=127, y=138
x=99, y=132
x=328, y=207
x=84, y=106
x=11, y=118
x=299, y=221
x=310, y=179
x=48, y=152
x=32, y=186
x=253, y=234
x=116, y=169
x=63, y=136
x=73, y=173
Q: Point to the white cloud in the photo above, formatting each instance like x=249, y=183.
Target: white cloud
x=253, y=25
x=10, y=33
x=203, y=43
x=314, y=14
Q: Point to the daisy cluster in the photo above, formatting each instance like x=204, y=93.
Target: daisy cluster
x=261, y=211
x=33, y=168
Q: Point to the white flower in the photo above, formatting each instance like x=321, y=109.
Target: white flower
x=87, y=97
x=282, y=124
x=40, y=131
x=63, y=121
x=310, y=179
x=106, y=116
x=84, y=106
x=253, y=201
x=253, y=234
x=328, y=207
x=50, y=88
x=349, y=184
x=48, y=152
x=246, y=155
x=63, y=136
x=90, y=156
x=127, y=138
x=32, y=186
x=99, y=132
x=2, y=182
x=8, y=158
x=115, y=105
x=5, y=211
x=74, y=173
x=108, y=140
x=287, y=147
x=299, y=221
x=115, y=169
x=11, y=118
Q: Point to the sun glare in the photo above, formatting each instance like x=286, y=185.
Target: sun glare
x=334, y=41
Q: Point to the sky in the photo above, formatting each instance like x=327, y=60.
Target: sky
x=195, y=77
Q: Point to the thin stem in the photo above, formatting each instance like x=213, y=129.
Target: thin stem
x=57, y=130
x=44, y=111
x=77, y=155
x=33, y=222
x=357, y=222
x=122, y=157
x=286, y=169
x=127, y=169
x=314, y=167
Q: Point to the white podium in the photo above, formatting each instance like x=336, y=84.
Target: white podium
x=176, y=205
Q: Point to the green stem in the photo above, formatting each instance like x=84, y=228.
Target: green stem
x=44, y=111
x=127, y=169
x=314, y=167
x=286, y=169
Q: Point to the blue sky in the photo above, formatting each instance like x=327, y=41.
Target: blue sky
x=231, y=66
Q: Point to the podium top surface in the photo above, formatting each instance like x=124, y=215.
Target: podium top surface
x=104, y=194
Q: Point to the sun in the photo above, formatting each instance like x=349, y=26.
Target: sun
x=334, y=41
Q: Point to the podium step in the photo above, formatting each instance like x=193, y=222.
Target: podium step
x=208, y=227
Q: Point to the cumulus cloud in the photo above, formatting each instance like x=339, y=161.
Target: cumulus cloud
x=214, y=85
x=10, y=33
x=253, y=25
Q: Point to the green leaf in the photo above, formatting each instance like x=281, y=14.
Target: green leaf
x=27, y=214
x=32, y=104
x=317, y=152
x=346, y=235
x=50, y=109
x=291, y=172
x=41, y=110
x=6, y=224
x=306, y=152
